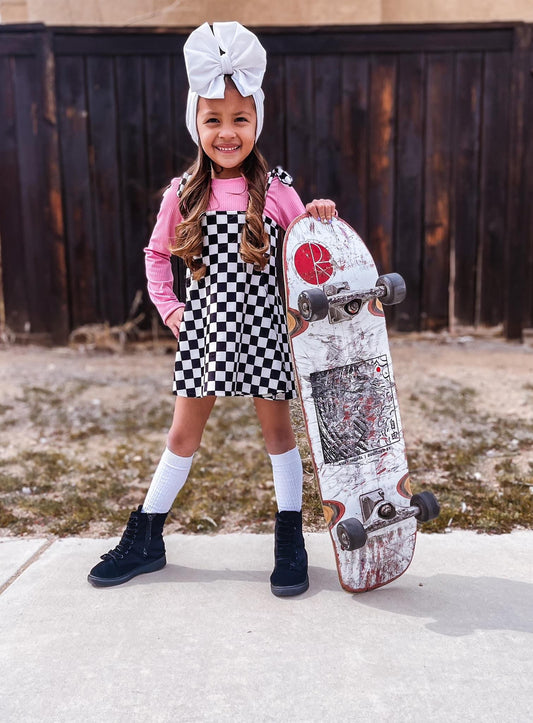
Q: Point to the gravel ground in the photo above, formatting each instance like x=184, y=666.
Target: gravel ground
x=83, y=428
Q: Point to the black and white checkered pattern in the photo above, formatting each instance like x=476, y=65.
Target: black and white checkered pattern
x=283, y=176
x=233, y=339
x=182, y=183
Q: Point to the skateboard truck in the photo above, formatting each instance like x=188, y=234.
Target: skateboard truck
x=371, y=500
x=353, y=534
x=339, y=302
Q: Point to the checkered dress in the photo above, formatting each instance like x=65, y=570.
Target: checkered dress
x=233, y=338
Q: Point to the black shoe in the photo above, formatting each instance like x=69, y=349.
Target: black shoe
x=141, y=549
x=290, y=571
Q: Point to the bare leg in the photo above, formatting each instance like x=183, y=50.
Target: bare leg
x=275, y=421
x=274, y=417
x=190, y=417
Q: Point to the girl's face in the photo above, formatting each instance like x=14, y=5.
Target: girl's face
x=226, y=128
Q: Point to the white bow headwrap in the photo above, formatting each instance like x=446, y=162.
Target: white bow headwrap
x=243, y=57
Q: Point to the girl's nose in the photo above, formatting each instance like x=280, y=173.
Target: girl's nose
x=226, y=132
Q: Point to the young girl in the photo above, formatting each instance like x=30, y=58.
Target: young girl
x=225, y=218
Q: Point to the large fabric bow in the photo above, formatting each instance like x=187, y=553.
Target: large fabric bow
x=227, y=49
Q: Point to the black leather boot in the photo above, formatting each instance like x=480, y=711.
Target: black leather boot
x=290, y=571
x=141, y=549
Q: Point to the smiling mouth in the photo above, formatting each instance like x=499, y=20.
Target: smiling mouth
x=227, y=149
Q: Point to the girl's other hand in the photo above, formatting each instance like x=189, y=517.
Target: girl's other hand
x=322, y=209
x=174, y=320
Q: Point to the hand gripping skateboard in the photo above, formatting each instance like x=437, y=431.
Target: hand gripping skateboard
x=344, y=372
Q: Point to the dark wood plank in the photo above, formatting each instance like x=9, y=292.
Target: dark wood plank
x=353, y=160
x=437, y=166
x=465, y=181
x=53, y=231
x=133, y=171
x=302, y=41
x=493, y=187
x=28, y=109
x=17, y=44
x=350, y=40
x=409, y=188
x=527, y=320
x=14, y=285
x=158, y=109
x=129, y=42
x=105, y=161
x=382, y=90
x=328, y=128
x=158, y=106
x=77, y=201
x=272, y=141
x=300, y=126
x=517, y=241
x=185, y=150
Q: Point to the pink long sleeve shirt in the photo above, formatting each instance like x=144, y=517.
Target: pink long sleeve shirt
x=282, y=205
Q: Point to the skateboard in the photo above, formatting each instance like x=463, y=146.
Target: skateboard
x=344, y=374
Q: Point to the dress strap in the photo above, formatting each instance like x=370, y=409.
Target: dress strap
x=182, y=183
x=283, y=176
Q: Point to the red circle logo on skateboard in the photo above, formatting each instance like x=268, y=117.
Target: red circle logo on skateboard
x=313, y=263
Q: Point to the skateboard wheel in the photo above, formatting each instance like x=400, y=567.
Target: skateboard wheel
x=427, y=504
x=351, y=533
x=313, y=304
x=395, y=290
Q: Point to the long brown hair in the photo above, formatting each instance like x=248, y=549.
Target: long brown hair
x=193, y=203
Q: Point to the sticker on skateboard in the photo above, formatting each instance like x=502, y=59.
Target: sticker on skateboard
x=356, y=410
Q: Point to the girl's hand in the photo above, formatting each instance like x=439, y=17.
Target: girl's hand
x=322, y=209
x=174, y=320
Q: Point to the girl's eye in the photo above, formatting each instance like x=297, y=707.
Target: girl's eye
x=212, y=120
x=241, y=120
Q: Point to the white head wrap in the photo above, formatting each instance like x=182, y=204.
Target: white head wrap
x=243, y=57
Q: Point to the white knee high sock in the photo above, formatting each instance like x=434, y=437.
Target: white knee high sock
x=288, y=480
x=169, y=477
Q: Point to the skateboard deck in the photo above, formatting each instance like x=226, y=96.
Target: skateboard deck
x=344, y=373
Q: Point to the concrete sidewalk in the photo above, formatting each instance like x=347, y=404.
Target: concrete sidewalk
x=205, y=640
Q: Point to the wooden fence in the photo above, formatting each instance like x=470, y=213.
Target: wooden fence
x=421, y=134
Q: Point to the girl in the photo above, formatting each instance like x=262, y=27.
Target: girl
x=225, y=218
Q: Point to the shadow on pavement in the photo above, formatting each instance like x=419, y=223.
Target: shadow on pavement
x=320, y=578
x=458, y=605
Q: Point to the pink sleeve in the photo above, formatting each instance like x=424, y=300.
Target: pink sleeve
x=283, y=204
x=157, y=255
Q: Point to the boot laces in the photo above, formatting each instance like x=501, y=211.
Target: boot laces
x=126, y=541
x=286, y=541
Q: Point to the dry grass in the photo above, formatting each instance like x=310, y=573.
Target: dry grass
x=82, y=434
x=481, y=469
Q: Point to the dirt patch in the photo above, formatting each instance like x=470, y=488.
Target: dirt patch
x=83, y=431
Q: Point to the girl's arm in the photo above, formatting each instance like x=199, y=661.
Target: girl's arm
x=287, y=205
x=157, y=259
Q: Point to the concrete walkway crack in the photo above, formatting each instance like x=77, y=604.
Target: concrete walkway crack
x=36, y=555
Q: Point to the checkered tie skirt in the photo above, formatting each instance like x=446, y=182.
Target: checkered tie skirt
x=233, y=339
